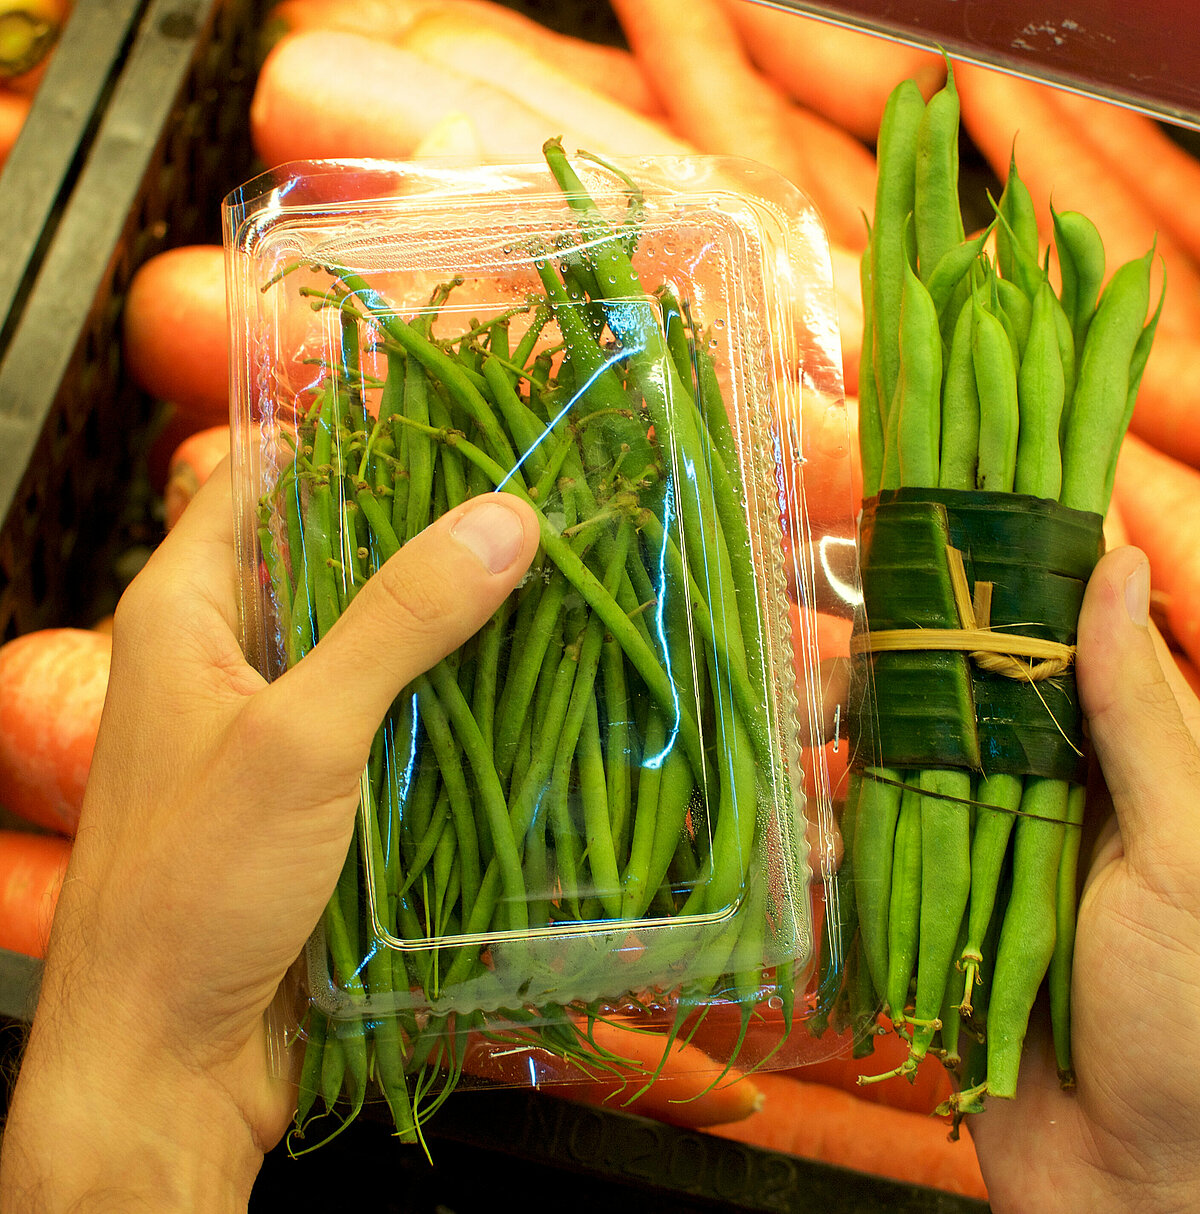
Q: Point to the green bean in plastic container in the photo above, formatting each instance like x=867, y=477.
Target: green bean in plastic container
x=593, y=813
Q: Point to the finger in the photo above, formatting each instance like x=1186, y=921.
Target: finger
x=423, y=604
x=1147, y=753
x=195, y=566
x=1189, y=705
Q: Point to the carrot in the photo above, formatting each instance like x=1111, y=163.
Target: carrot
x=175, y=331
x=838, y=174
x=453, y=135
x=337, y=95
x=191, y=465
x=32, y=868
x=608, y=69
x=1159, y=499
x=1140, y=152
x=14, y=109
x=52, y=688
x=716, y=99
x=1167, y=413
x=835, y=1127
x=831, y=473
x=842, y=73
x=1059, y=163
x=848, y=292
x=458, y=43
x=683, y=1094
x=707, y=85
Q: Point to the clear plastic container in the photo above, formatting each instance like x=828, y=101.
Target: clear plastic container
x=594, y=809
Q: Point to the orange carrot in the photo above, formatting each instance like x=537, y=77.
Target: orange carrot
x=191, y=465
x=838, y=173
x=826, y=1124
x=1057, y=162
x=716, y=98
x=458, y=43
x=32, y=868
x=14, y=109
x=684, y=1092
x=707, y=85
x=453, y=135
x=52, y=687
x=175, y=331
x=842, y=73
x=608, y=69
x=1167, y=413
x=325, y=94
x=1159, y=499
x=1162, y=173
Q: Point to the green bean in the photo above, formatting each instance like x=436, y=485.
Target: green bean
x=1017, y=239
x=1027, y=937
x=436, y=718
x=1015, y=312
x=894, y=202
x=1080, y=250
x=870, y=420
x=999, y=416
x=945, y=888
x=918, y=389
x=939, y=226
x=874, y=837
x=949, y=283
x=1102, y=386
x=1137, y=366
x=597, y=825
x=1041, y=392
x=904, y=906
x=999, y=799
x=1066, y=896
x=959, y=457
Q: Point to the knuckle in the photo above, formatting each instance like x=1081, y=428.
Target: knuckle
x=422, y=604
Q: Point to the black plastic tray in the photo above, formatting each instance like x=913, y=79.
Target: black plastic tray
x=550, y=1153
x=166, y=139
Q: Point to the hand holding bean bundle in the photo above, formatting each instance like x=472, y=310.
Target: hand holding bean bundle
x=995, y=400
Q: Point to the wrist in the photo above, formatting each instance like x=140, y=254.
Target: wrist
x=89, y=1131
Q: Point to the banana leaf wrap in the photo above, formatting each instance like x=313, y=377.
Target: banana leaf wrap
x=924, y=708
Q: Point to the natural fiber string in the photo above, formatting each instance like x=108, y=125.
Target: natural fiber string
x=992, y=651
x=969, y=802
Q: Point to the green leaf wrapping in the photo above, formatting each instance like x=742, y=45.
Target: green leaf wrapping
x=927, y=708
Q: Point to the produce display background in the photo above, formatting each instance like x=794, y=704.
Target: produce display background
x=140, y=169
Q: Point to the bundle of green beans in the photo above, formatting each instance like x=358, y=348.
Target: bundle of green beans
x=605, y=751
x=982, y=388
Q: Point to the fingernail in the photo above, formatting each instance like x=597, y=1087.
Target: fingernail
x=1137, y=595
x=492, y=532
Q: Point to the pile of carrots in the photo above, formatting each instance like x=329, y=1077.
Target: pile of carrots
x=404, y=79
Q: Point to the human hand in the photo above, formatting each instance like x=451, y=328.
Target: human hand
x=217, y=817
x=1127, y=1138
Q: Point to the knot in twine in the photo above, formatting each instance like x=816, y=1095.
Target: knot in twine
x=1012, y=655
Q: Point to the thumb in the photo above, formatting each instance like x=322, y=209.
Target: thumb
x=1147, y=753
x=425, y=602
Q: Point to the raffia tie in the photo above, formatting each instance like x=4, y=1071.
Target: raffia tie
x=1010, y=654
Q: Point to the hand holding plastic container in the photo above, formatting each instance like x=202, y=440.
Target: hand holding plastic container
x=593, y=809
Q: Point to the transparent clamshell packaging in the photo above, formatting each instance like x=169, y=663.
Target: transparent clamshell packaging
x=595, y=809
